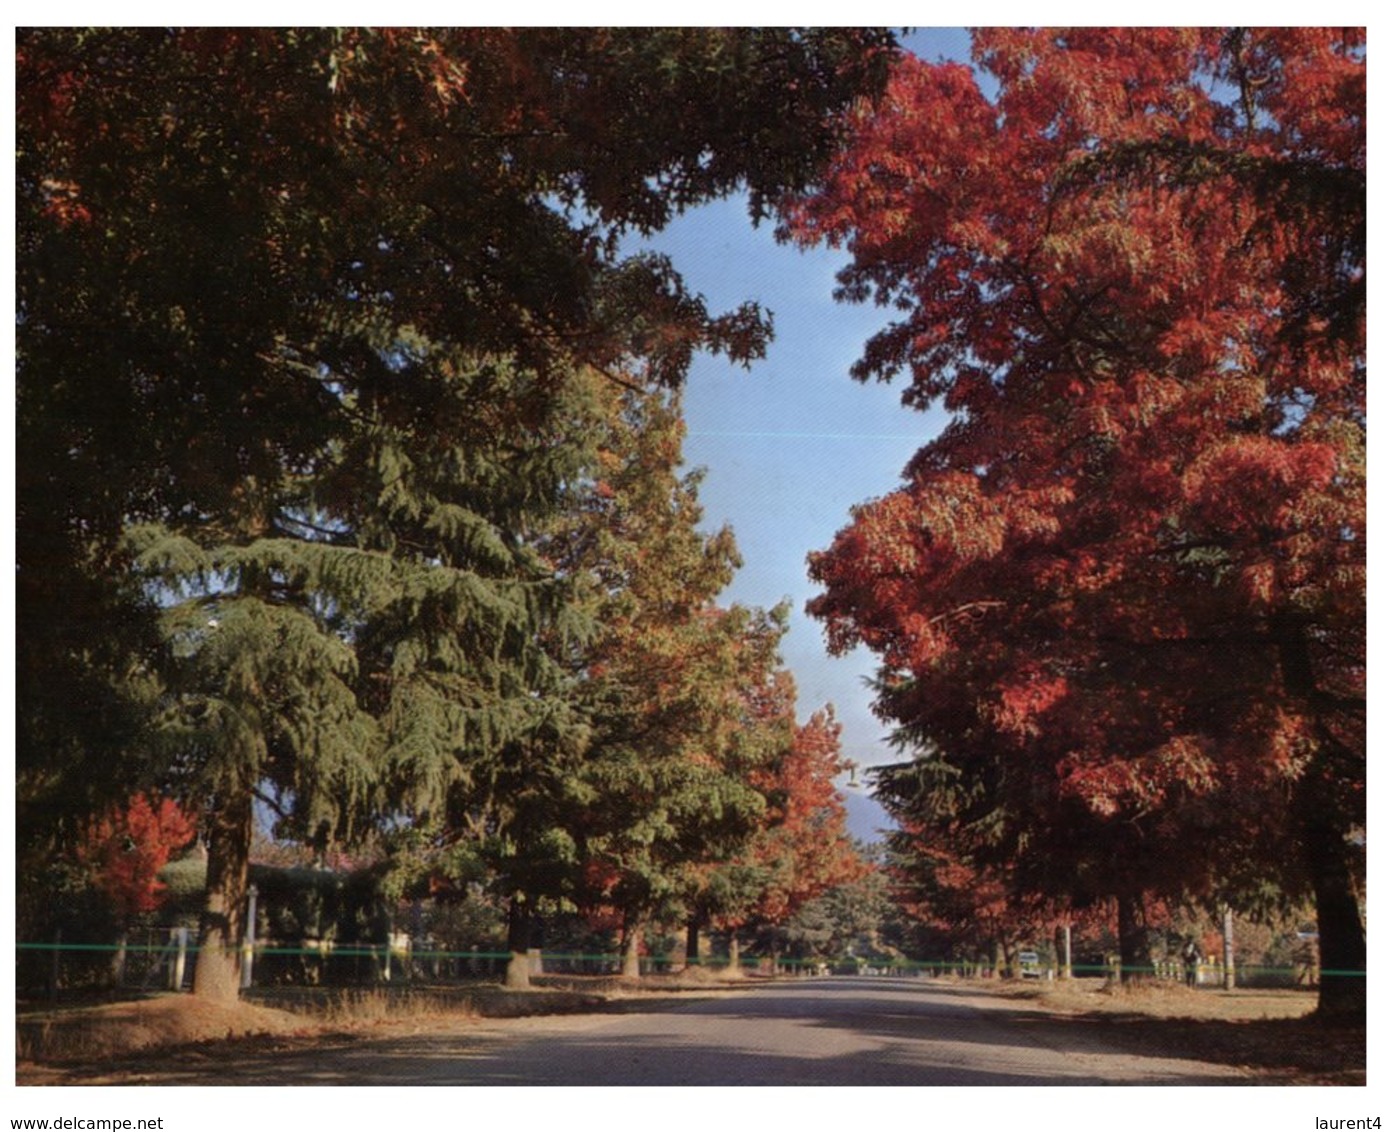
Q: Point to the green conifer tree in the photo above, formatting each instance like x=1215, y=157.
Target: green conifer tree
x=671, y=682
x=248, y=261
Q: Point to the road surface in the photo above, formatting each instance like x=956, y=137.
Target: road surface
x=833, y=1031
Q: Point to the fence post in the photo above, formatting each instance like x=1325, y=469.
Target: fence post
x=180, y=938
x=1063, y=942
x=1230, y=974
x=249, y=942
x=118, y=959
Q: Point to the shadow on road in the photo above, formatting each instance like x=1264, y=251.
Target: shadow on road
x=839, y=1031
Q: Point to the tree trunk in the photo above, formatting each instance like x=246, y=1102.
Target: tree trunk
x=693, y=943
x=217, y=973
x=118, y=960
x=733, y=961
x=519, y=973
x=1132, y=942
x=1064, y=949
x=1343, y=950
x=632, y=937
x=1325, y=810
x=675, y=958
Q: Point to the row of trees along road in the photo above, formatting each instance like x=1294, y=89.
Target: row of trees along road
x=1120, y=600
x=346, y=436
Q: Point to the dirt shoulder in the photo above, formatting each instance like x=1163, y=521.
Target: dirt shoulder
x=99, y=1044
x=1270, y=1032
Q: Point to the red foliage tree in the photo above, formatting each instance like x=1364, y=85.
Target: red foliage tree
x=1120, y=599
x=126, y=848
x=976, y=911
x=801, y=848
x=805, y=846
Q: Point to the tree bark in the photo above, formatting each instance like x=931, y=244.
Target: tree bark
x=1325, y=813
x=733, y=961
x=693, y=943
x=216, y=974
x=632, y=937
x=118, y=959
x=1343, y=948
x=1063, y=948
x=519, y=973
x=1132, y=942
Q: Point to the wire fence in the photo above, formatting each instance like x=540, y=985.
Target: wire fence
x=167, y=961
x=164, y=959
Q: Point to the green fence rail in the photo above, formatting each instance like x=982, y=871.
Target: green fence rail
x=419, y=954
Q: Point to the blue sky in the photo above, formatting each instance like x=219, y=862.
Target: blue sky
x=791, y=445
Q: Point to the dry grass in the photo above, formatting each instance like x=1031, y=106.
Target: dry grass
x=1168, y=1000
x=1270, y=1032
x=118, y=1028
x=168, y=1020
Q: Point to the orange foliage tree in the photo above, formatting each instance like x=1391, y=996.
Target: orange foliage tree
x=805, y=847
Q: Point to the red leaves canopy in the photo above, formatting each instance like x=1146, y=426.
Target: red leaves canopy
x=127, y=847
x=1127, y=579
x=806, y=848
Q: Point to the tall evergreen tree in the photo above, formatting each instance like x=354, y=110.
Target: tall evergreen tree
x=671, y=684
x=256, y=270
x=378, y=652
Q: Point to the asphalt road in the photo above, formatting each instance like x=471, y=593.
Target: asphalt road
x=834, y=1031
